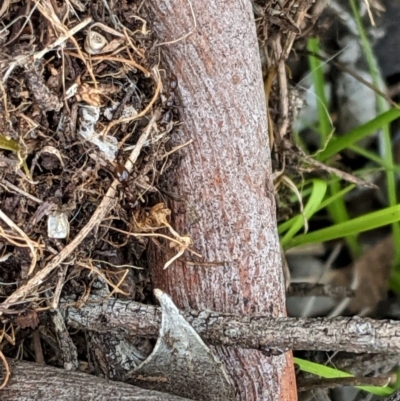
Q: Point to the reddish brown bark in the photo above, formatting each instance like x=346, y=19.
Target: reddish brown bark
x=227, y=204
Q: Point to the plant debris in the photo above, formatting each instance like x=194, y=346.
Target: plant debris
x=85, y=120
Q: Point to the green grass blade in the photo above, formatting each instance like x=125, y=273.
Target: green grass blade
x=337, y=195
x=366, y=222
x=283, y=227
x=317, y=194
x=331, y=373
x=9, y=144
x=369, y=155
x=338, y=144
x=385, y=139
x=337, y=209
x=339, y=214
x=317, y=74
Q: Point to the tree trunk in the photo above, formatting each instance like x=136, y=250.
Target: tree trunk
x=223, y=182
x=30, y=381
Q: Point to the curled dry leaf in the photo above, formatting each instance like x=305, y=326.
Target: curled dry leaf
x=52, y=150
x=95, y=43
x=180, y=362
x=92, y=95
x=111, y=46
x=156, y=218
x=89, y=95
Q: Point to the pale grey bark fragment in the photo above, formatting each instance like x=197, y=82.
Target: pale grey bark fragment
x=181, y=363
x=68, y=350
x=114, y=353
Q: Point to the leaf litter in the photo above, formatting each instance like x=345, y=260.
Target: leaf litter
x=85, y=121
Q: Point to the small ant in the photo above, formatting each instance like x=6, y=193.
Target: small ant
x=122, y=175
x=170, y=103
x=173, y=84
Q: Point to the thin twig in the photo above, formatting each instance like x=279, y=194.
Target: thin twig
x=186, y=34
x=31, y=244
x=7, y=369
x=4, y=7
x=61, y=274
x=37, y=346
x=122, y=60
x=7, y=185
x=143, y=112
x=176, y=148
x=63, y=38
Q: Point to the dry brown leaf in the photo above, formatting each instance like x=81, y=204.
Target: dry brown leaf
x=156, y=218
x=368, y=276
x=92, y=95
x=27, y=319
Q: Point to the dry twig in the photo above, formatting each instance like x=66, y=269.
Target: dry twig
x=31, y=244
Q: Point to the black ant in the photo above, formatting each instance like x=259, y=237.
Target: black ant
x=122, y=175
x=170, y=104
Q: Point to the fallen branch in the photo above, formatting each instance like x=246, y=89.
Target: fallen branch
x=352, y=334
x=32, y=381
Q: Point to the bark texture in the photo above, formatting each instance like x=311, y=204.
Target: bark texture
x=31, y=381
x=350, y=334
x=223, y=181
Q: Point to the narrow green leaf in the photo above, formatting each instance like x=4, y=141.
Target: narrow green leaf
x=331, y=373
x=385, y=144
x=338, y=144
x=317, y=194
x=366, y=222
x=283, y=227
x=9, y=144
x=318, y=78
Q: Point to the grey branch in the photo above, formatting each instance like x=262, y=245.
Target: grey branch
x=31, y=381
x=354, y=334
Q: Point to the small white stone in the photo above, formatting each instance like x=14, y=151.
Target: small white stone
x=58, y=225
